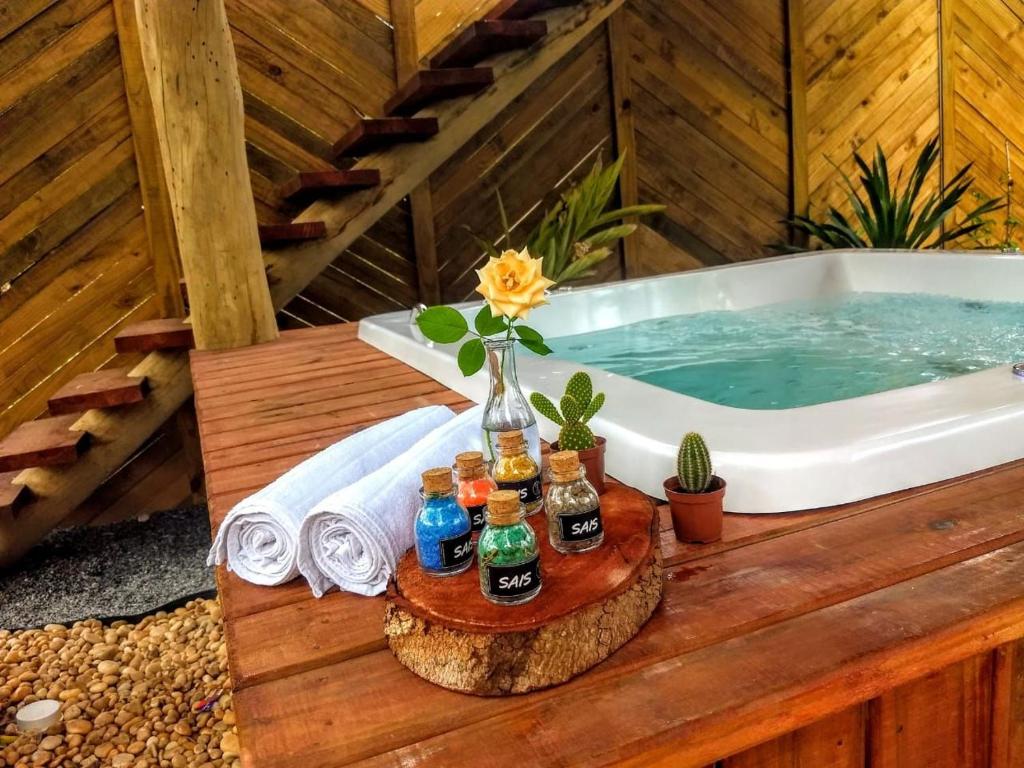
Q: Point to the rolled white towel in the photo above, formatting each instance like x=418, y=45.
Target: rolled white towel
x=259, y=538
x=356, y=536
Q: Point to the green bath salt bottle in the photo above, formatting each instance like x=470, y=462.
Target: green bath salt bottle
x=507, y=552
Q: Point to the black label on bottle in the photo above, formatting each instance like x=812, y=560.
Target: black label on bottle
x=581, y=526
x=529, y=490
x=477, y=517
x=514, y=580
x=456, y=550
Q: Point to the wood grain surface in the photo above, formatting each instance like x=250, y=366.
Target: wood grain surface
x=883, y=630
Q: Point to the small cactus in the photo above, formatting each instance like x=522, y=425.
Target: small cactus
x=578, y=406
x=693, y=464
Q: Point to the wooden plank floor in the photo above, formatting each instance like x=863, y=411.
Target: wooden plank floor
x=789, y=619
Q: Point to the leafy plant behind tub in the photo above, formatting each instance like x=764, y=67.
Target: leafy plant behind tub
x=891, y=214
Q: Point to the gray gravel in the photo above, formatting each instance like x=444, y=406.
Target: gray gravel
x=125, y=570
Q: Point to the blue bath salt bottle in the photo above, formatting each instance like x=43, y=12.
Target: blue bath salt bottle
x=444, y=543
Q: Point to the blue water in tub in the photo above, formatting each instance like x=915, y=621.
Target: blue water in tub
x=805, y=352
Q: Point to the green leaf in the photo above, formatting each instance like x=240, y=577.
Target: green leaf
x=504, y=219
x=471, y=357
x=487, y=324
x=526, y=333
x=486, y=246
x=442, y=324
x=537, y=347
x=609, y=235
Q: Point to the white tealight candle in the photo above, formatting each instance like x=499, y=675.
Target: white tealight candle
x=39, y=715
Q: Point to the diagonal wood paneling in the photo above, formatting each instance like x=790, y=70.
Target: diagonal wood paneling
x=872, y=76
x=987, y=92
x=546, y=139
x=710, y=109
x=309, y=69
x=74, y=264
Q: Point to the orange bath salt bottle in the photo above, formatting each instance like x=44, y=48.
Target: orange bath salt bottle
x=474, y=486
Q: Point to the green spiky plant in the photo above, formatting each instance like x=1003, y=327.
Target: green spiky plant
x=579, y=231
x=893, y=215
x=693, y=464
x=578, y=404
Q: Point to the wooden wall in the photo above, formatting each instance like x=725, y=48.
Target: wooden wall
x=74, y=266
x=872, y=76
x=710, y=109
x=983, y=93
x=967, y=715
x=308, y=70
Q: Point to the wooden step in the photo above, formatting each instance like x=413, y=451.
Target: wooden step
x=99, y=389
x=152, y=335
x=430, y=85
x=486, y=38
x=522, y=9
x=310, y=184
x=374, y=133
x=13, y=496
x=43, y=443
x=285, y=234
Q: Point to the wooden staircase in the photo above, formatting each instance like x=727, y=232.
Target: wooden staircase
x=97, y=421
x=470, y=78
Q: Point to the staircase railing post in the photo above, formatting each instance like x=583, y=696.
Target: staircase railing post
x=421, y=206
x=189, y=65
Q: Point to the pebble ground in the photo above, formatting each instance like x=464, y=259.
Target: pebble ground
x=130, y=694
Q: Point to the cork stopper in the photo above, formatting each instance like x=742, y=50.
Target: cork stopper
x=437, y=480
x=565, y=466
x=470, y=465
x=511, y=442
x=503, y=507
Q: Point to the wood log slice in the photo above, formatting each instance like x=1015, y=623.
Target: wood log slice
x=591, y=604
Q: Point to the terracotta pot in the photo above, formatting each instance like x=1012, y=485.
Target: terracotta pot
x=593, y=460
x=696, y=517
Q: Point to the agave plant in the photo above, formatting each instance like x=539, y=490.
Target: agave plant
x=895, y=215
x=577, y=233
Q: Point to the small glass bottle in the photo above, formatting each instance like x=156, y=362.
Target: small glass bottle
x=515, y=470
x=573, y=506
x=444, y=544
x=508, y=553
x=475, y=485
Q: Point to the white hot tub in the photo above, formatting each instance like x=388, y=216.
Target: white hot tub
x=784, y=459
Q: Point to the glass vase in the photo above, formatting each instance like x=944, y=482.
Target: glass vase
x=507, y=407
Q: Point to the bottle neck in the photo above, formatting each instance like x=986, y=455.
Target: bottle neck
x=501, y=360
x=504, y=521
x=569, y=477
x=436, y=495
x=508, y=453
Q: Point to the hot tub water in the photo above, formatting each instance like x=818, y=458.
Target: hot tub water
x=810, y=351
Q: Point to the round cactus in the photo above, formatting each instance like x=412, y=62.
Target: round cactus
x=693, y=464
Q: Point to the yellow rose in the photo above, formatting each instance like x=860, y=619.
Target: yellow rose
x=513, y=284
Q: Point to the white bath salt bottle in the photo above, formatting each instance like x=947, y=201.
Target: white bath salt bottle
x=573, y=506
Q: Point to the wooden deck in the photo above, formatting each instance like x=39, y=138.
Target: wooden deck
x=880, y=633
